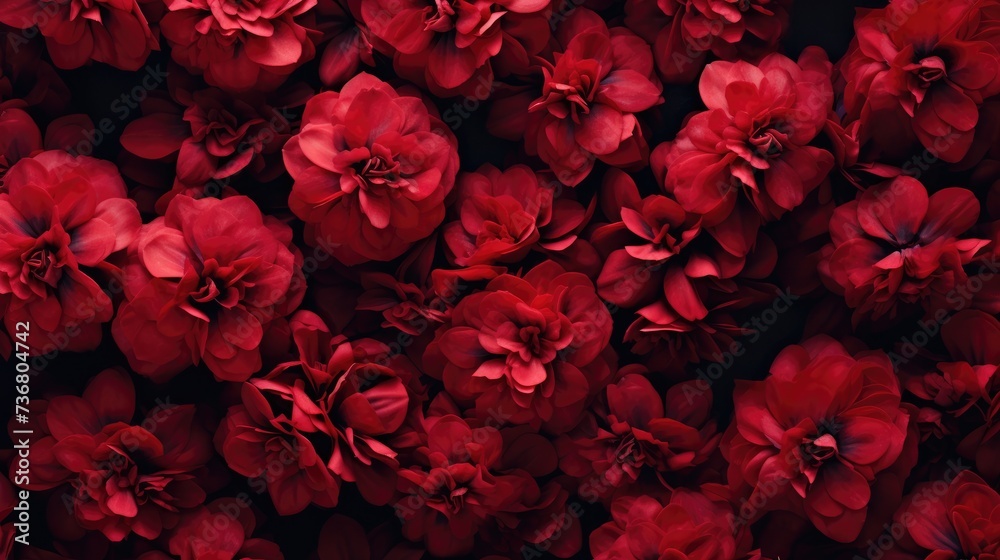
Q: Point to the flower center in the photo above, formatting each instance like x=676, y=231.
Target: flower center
x=567, y=94
x=42, y=265
x=379, y=171
x=767, y=142
x=930, y=70
x=442, y=19
x=815, y=451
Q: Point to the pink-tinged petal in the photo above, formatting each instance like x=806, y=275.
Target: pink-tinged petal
x=950, y=212
x=164, y=252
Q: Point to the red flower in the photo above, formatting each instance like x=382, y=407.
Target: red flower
x=638, y=431
x=503, y=215
x=215, y=137
x=126, y=477
x=238, y=45
x=457, y=47
x=19, y=138
x=962, y=523
x=332, y=414
x=202, y=536
x=923, y=69
x=816, y=433
x=61, y=217
x=692, y=526
x=897, y=247
x=588, y=100
x=754, y=138
x=533, y=348
x=453, y=493
x=76, y=31
x=350, y=41
x=371, y=168
x=202, y=284
x=684, y=32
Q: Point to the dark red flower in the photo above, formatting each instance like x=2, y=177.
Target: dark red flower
x=534, y=348
x=896, y=247
x=503, y=215
x=754, y=138
x=19, y=138
x=371, y=168
x=237, y=45
x=640, y=431
x=684, y=33
x=923, y=69
x=692, y=526
x=592, y=87
x=958, y=523
x=125, y=477
x=76, y=31
x=202, y=284
x=457, y=46
x=816, y=433
x=61, y=217
x=215, y=136
x=329, y=416
x=349, y=41
x=202, y=536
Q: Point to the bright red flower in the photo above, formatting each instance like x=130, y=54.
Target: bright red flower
x=371, y=168
x=639, y=431
x=457, y=47
x=923, y=69
x=592, y=87
x=962, y=523
x=333, y=413
x=76, y=31
x=816, y=433
x=503, y=215
x=754, y=138
x=237, y=45
x=897, y=248
x=534, y=348
x=684, y=32
x=126, y=477
x=692, y=526
x=203, y=283
x=61, y=217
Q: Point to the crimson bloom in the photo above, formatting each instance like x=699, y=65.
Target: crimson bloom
x=372, y=168
x=923, y=69
x=504, y=214
x=896, y=247
x=535, y=347
x=641, y=431
x=959, y=524
x=61, y=217
x=590, y=93
x=238, y=45
x=202, y=284
x=684, y=33
x=819, y=429
x=330, y=416
x=458, y=47
x=215, y=136
x=76, y=31
x=126, y=477
x=753, y=138
x=692, y=526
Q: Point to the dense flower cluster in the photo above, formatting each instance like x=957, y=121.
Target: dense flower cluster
x=500, y=279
